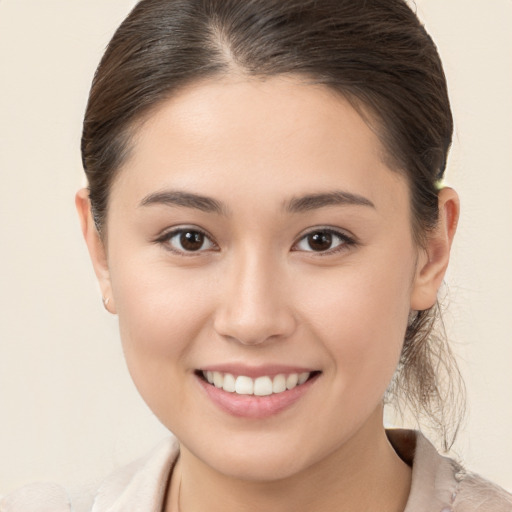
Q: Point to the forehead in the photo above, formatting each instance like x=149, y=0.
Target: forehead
x=271, y=136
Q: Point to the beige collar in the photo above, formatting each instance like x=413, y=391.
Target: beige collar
x=142, y=485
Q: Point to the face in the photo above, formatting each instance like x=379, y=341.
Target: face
x=257, y=240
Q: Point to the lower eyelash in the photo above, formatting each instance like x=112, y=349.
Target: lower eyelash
x=167, y=236
x=164, y=238
x=347, y=242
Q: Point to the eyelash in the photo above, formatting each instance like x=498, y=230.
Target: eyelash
x=345, y=241
x=165, y=240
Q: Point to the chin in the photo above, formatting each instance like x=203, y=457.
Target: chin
x=259, y=468
x=259, y=458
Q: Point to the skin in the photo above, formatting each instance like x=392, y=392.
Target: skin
x=257, y=294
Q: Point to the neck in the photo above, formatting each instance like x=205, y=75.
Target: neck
x=364, y=474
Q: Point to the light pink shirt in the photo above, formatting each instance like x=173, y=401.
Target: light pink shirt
x=439, y=484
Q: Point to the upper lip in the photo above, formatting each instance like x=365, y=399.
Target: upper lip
x=270, y=370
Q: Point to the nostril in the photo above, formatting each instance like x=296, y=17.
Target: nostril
x=255, y=329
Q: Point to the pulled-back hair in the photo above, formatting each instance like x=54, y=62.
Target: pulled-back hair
x=375, y=53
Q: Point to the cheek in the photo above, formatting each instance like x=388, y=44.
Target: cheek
x=157, y=303
x=361, y=316
x=161, y=313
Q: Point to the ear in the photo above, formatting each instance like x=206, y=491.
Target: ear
x=96, y=248
x=433, y=261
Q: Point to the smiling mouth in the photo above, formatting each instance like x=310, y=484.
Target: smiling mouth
x=260, y=386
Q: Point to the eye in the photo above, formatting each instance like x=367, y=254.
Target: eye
x=187, y=240
x=323, y=241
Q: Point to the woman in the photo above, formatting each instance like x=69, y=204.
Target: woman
x=266, y=216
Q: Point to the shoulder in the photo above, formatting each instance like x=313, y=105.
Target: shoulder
x=39, y=497
x=47, y=497
x=441, y=484
x=475, y=494
x=141, y=484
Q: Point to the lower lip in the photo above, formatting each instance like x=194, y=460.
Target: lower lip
x=255, y=407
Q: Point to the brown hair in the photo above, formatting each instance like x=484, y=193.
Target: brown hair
x=375, y=53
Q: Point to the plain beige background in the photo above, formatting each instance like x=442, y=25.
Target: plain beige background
x=68, y=410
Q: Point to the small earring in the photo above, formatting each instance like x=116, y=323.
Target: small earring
x=105, y=302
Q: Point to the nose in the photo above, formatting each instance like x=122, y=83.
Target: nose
x=255, y=307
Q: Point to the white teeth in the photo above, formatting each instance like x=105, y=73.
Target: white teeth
x=303, y=377
x=244, y=385
x=218, y=379
x=261, y=386
x=292, y=380
x=279, y=384
x=229, y=383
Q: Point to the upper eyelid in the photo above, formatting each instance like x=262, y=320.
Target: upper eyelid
x=348, y=241
x=335, y=231
x=174, y=230
x=169, y=232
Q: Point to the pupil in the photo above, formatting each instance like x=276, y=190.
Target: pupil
x=192, y=240
x=320, y=241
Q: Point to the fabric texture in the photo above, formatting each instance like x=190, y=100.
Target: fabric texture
x=439, y=484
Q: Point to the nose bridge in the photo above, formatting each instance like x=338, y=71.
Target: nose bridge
x=254, y=307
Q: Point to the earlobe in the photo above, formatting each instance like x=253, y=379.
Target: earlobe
x=433, y=261
x=96, y=248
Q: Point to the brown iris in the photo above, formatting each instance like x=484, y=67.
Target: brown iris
x=192, y=240
x=320, y=241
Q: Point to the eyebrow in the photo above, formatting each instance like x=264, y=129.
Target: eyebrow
x=185, y=199
x=321, y=200
x=295, y=205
